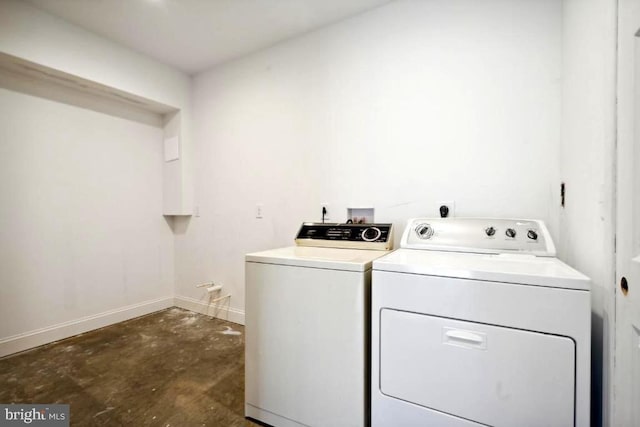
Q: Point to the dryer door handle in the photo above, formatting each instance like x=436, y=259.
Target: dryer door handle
x=465, y=338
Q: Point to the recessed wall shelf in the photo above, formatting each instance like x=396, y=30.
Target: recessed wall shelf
x=20, y=75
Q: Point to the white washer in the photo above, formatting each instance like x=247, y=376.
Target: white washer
x=475, y=322
x=307, y=326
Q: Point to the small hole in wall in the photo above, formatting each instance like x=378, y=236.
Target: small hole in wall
x=624, y=286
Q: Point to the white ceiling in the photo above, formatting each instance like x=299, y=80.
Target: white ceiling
x=193, y=35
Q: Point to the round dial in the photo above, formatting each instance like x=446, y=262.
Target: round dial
x=532, y=234
x=371, y=234
x=510, y=232
x=490, y=231
x=424, y=231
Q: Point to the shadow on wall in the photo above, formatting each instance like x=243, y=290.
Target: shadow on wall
x=178, y=224
x=597, y=363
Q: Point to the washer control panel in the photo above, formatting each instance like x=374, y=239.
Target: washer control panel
x=480, y=235
x=354, y=236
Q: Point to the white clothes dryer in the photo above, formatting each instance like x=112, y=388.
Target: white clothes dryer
x=307, y=326
x=476, y=322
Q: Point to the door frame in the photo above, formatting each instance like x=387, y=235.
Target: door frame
x=628, y=23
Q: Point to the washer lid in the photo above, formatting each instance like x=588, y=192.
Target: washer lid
x=327, y=258
x=508, y=268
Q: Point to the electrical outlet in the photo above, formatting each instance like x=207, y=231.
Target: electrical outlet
x=451, y=207
x=324, y=208
x=259, y=210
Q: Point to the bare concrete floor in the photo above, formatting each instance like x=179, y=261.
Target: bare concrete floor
x=170, y=368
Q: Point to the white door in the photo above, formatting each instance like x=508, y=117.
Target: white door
x=626, y=388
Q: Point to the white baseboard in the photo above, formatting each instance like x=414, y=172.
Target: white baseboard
x=27, y=340
x=203, y=307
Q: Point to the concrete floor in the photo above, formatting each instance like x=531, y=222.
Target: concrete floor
x=170, y=368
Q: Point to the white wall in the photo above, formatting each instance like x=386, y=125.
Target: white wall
x=406, y=105
x=83, y=240
x=81, y=226
x=34, y=35
x=587, y=159
x=29, y=33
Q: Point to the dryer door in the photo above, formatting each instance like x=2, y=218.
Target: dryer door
x=489, y=374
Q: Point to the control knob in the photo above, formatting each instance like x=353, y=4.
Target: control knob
x=532, y=234
x=424, y=231
x=510, y=232
x=371, y=234
x=490, y=231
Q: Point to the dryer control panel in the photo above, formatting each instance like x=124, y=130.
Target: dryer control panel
x=353, y=236
x=479, y=235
